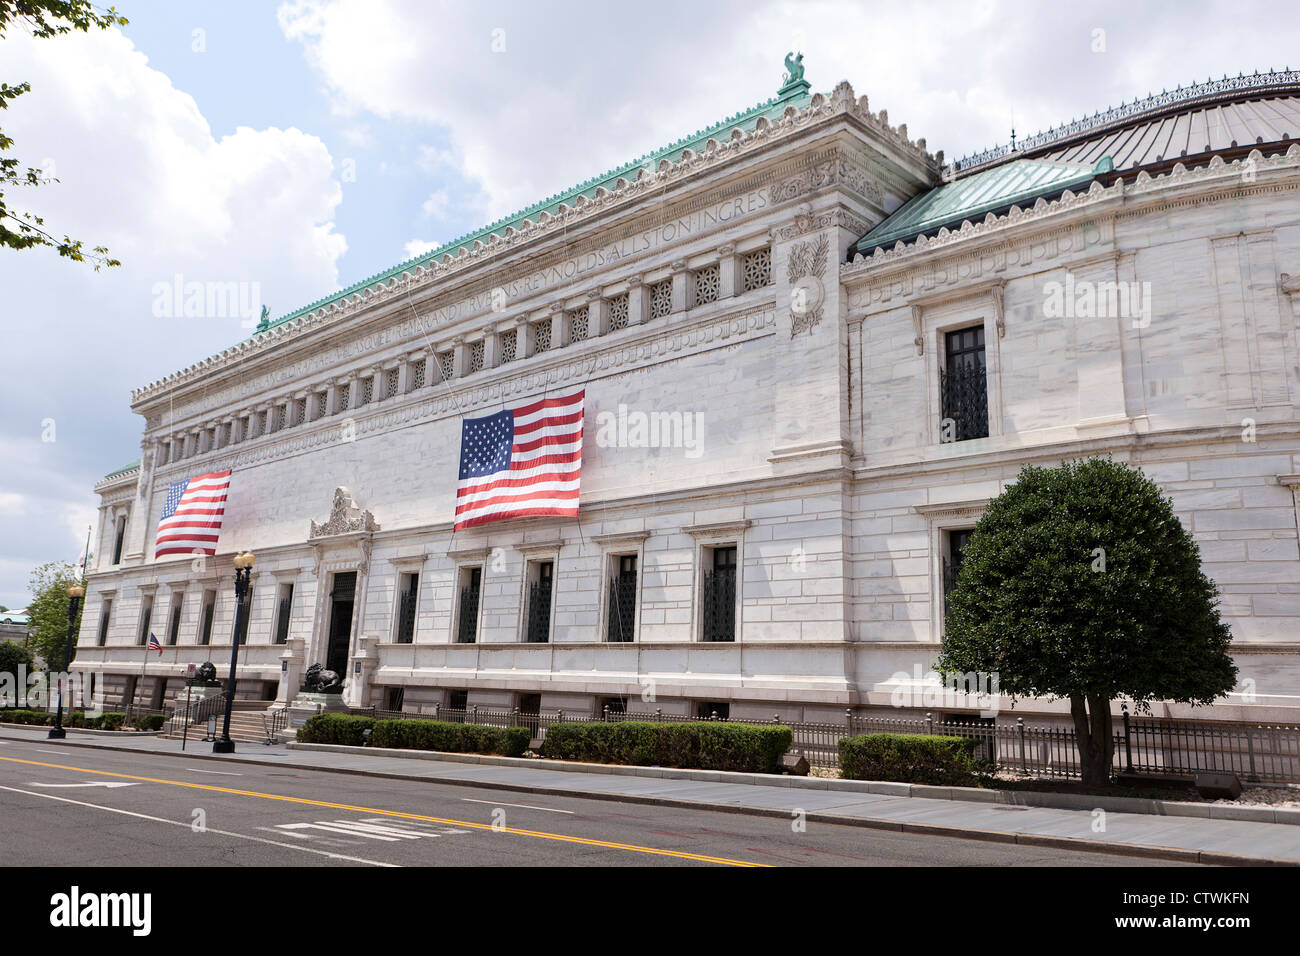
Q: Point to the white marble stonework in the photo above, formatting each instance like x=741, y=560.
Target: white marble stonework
x=820, y=458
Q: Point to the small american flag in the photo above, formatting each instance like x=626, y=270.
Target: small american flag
x=521, y=462
x=191, y=518
x=154, y=645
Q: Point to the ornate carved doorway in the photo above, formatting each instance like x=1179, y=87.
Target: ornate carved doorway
x=342, y=599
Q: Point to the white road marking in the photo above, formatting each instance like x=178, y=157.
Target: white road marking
x=373, y=828
x=59, y=752
x=109, y=784
x=187, y=825
x=522, y=806
x=224, y=773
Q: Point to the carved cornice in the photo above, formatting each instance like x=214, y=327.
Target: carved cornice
x=345, y=518
x=420, y=277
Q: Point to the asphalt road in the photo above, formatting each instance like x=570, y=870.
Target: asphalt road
x=70, y=806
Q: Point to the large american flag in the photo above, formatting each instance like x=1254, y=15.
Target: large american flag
x=191, y=518
x=520, y=462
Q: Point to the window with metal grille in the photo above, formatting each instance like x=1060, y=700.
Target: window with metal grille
x=417, y=374
x=578, y=324
x=712, y=710
x=345, y=397
x=394, y=698
x=300, y=411
x=471, y=583
x=611, y=707
x=458, y=700
x=618, y=312
x=707, y=283
x=446, y=364
x=719, y=598
x=661, y=298
x=209, y=610
x=406, y=604
x=174, y=621
x=367, y=390
x=390, y=383
x=476, y=356
x=963, y=386
x=105, y=615
x=146, y=614
x=509, y=345
x=538, y=629
x=281, y=416
x=622, y=600
x=541, y=336
x=263, y=422
x=756, y=271
x=282, y=614
x=322, y=404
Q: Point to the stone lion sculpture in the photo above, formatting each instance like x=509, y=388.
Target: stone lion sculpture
x=318, y=680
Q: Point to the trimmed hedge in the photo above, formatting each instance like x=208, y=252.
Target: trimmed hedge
x=909, y=758
x=450, y=737
x=335, y=729
x=109, y=720
x=709, y=745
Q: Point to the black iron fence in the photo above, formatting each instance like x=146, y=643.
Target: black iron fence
x=1257, y=753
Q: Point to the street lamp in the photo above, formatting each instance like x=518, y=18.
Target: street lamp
x=243, y=570
x=75, y=593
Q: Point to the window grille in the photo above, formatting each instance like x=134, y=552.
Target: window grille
x=661, y=298
x=542, y=336
x=963, y=386
x=578, y=324
x=300, y=411
x=446, y=364
x=476, y=356
x=345, y=397
x=509, y=345
x=367, y=390
x=707, y=282
x=757, y=270
x=618, y=312
x=417, y=374
x=390, y=383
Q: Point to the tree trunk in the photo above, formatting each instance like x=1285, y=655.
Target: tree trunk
x=1092, y=725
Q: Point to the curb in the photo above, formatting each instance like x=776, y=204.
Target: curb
x=1136, y=850
x=1053, y=801
x=89, y=730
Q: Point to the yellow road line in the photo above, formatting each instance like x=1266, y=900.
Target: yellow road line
x=539, y=834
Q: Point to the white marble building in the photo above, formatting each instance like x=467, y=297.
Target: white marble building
x=797, y=290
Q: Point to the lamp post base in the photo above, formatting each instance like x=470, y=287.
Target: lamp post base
x=223, y=745
x=57, y=733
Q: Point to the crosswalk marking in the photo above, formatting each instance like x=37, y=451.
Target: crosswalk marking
x=372, y=828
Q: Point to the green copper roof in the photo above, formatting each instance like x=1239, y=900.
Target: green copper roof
x=976, y=196
x=795, y=92
x=123, y=470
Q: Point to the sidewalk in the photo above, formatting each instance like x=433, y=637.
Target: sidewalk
x=1188, y=839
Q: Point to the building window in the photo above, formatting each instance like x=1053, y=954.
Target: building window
x=263, y=422
x=209, y=610
x=707, y=284
x=406, y=600
x=146, y=615
x=712, y=710
x=661, y=298
x=345, y=397
x=174, y=621
x=282, y=614
x=719, y=599
x=458, y=702
x=541, y=582
x=394, y=698
x=509, y=345
x=611, y=707
x=417, y=374
x=322, y=404
x=756, y=271
x=476, y=356
x=471, y=583
x=954, y=551
x=963, y=386
x=119, y=539
x=541, y=336
x=281, y=417
x=621, y=624
x=578, y=324
x=105, y=615
x=367, y=390
x=390, y=383
x=446, y=364
x=618, y=312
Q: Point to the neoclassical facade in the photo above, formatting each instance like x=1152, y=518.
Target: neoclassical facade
x=812, y=352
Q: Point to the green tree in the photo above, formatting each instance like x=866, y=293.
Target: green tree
x=49, y=611
x=43, y=19
x=1080, y=582
x=12, y=656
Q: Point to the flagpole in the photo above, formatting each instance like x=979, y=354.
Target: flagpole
x=85, y=559
x=143, y=664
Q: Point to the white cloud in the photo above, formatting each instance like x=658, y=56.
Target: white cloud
x=142, y=173
x=436, y=206
x=418, y=247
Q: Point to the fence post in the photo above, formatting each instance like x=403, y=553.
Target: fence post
x=1020, y=725
x=929, y=722
x=1128, y=740
x=659, y=713
x=474, y=715
x=436, y=707
x=604, y=713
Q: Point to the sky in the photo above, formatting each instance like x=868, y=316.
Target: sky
x=301, y=146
